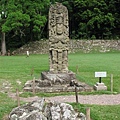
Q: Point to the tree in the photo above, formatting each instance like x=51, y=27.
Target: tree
x=26, y=13
x=24, y=18
x=16, y=20
x=3, y=15
x=113, y=6
x=94, y=18
x=35, y=9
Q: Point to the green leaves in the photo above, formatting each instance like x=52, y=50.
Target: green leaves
x=24, y=16
x=15, y=20
x=94, y=18
x=87, y=18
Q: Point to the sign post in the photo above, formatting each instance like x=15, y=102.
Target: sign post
x=100, y=85
x=99, y=79
x=100, y=75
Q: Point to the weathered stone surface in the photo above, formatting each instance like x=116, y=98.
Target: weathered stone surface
x=41, y=110
x=5, y=86
x=58, y=38
x=58, y=88
x=58, y=78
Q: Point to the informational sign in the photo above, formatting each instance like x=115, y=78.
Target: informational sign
x=100, y=74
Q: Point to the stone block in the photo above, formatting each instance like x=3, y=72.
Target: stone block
x=59, y=78
x=100, y=86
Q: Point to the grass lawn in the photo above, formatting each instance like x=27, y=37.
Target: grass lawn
x=16, y=70
x=6, y=105
x=88, y=64
x=100, y=112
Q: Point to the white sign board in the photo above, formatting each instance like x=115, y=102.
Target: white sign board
x=100, y=74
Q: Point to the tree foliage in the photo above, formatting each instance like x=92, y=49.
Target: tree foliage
x=26, y=20
x=23, y=19
x=94, y=18
x=25, y=15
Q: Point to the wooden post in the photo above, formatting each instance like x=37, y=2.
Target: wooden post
x=88, y=114
x=32, y=71
x=111, y=84
x=34, y=85
x=18, y=98
x=76, y=94
x=77, y=71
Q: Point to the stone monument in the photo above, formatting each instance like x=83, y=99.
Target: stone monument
x=58, y=45
x=58, y=77
x=58, y=38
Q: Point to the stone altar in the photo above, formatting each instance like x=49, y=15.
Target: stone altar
x=58, y=78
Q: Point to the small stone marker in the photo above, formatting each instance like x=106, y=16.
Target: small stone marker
x=100, y=85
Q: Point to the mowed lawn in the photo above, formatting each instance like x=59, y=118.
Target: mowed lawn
x=88, y=64
x=16, y=70
x=20, y=68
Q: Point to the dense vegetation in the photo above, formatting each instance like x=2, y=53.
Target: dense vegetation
x=22, y=21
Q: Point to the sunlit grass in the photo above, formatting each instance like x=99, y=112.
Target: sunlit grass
x=88, y=64
x=100, y=112
x=20, y=68
x=16, y=70
x=6, y=104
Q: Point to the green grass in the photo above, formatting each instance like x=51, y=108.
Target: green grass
x=6, y=105
x=100, y=112
x=18, y=68
x=88, y=64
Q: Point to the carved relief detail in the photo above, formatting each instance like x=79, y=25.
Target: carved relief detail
x=58, y=38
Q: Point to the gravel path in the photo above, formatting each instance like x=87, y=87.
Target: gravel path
x=83, y=99
x=90, y=99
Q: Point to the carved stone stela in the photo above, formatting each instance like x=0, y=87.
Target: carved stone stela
x=58, y=78
x=58, y=38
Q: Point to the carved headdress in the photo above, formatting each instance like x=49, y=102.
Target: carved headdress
x=58, y=14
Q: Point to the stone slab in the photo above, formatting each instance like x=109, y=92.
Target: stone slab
x=55, y=90
x=62, y=88
x=58, y=78
x=100, y=84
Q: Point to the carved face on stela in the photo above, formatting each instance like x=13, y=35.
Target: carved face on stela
x=59, y=21
x=59, y=26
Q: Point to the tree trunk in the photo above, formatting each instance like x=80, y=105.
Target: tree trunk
x=3, y=44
